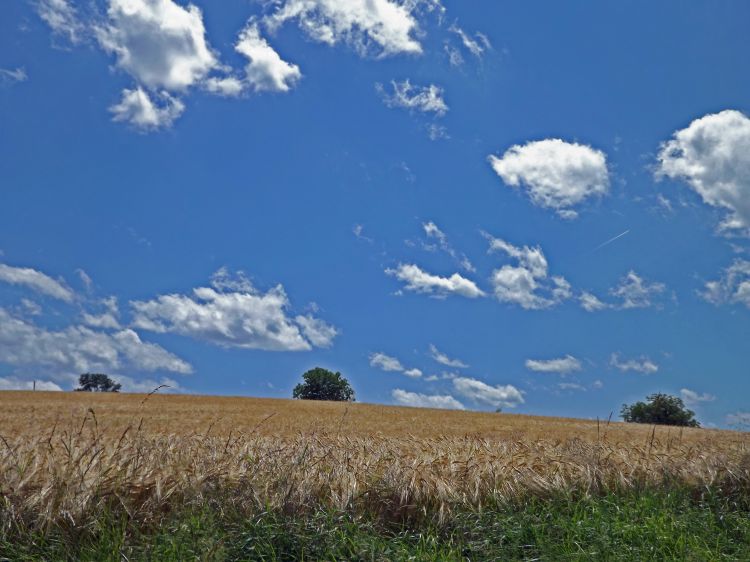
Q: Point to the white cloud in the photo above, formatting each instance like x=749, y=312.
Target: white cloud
x=85, y=279
x=437, y=132
x=635, y=292
x=147, y=385
x=78, y=349
x=476, y=45
x=158, y=42
x=266, y=71
x=137, y=108
x=741, y=419
x=562, y=365
x=642, y=365
x=591, y=303
x=233, y=314
x=385, y=362
x=443, y=359
x=712, y=155
x=597, y=384
x=62, y=18
x=571, y=386
x=432, y=230
x=527, y=284
x=733, y=287
x=109, y=318
x=36, y=281
x=507, y=396
x=691, y=398
x=15, y=383
x=318, y=332
x=556, y=174
x=445, y=402
x=455, y=58
x=391, y=364
x=422, y=282
x=385, y=26
x=425, y=99
x=230, y=86
x=12, y=76
x=30, y=307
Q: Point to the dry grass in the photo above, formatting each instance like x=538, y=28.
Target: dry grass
x=64, y=457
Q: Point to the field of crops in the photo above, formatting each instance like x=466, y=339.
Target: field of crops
x=67, y=458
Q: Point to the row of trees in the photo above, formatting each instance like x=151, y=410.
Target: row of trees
x=322, y=384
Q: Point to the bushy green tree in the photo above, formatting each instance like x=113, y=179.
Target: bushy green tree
x=97, y=382
x=660, y=409
x=322, y=384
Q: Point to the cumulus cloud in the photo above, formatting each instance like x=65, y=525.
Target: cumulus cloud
x=556, y=174
x=385, y=27
x=108, y=318
x=443, y=359
x=137, y=108
x=591, y=303
x=691, y=398
x=391, y=364
x=425, y=99
x=433, y=232
x=62, y=18
x=36, y=281
x=265, y=71
x=733, y=287
x=642, y=364
x=528, y=283
x=635, y=292
x=445, y=402
x=632, y=291
x=15, y=383
x=712, y=156
x=232, y=313
x=158, y=42
x=420, y=281
x=163, y=46
x=385, y=362
x=561, y=365
x=78, y=349
x=507, y=396
x=319, y=333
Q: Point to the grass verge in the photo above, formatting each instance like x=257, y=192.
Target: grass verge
x=635, y=525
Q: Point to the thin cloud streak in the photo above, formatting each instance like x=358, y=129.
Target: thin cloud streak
x=610, y=240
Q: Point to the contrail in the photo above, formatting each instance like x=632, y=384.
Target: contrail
x=611, y=240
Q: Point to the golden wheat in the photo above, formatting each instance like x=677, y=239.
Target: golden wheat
x=66, y=457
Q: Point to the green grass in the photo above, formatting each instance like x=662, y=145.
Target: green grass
x=651, y=525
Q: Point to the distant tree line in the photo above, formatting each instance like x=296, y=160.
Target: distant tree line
x=322, y=384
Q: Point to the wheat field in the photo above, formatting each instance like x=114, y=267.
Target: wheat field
x=66, y=457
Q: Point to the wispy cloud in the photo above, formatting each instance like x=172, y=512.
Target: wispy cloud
x=643, y=364
x=561, y=365
x=14, y=76
x=443, y=359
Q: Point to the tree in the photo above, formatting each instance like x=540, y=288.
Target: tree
x=660, y=409
x=97, y=382
x=322, y=384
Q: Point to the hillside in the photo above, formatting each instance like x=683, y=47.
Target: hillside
x=30, y=413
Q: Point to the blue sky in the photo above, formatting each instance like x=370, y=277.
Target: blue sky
x=537, y=206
